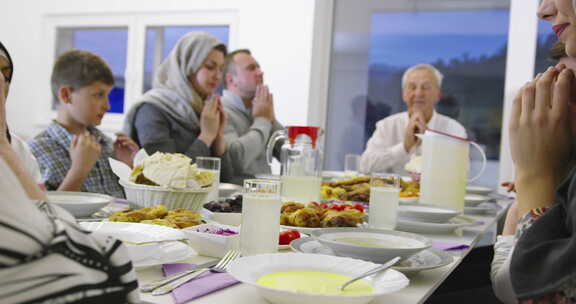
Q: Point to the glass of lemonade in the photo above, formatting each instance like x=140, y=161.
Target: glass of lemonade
x=260, y=216
x=211, y=164
x=384, y=198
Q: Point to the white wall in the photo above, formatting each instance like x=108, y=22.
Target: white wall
x=279, y=33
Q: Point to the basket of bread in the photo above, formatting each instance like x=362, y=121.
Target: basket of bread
x=170, y=179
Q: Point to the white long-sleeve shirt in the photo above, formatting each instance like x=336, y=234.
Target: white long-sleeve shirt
x=385, y=149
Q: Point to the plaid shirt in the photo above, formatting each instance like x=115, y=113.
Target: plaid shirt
x=51, y=148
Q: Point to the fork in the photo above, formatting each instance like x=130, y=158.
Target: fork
x=222, y=266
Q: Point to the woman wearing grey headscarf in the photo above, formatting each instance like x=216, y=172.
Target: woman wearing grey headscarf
x=181, y=113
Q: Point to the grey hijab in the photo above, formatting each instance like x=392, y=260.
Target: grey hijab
x=171, y=90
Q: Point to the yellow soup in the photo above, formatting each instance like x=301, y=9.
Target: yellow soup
x=314, y=282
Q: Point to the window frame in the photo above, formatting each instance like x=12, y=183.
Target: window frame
x=522, y=37
x=136, y=25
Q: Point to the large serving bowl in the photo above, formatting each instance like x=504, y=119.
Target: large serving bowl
x=377, y=245
x=249, y=269
x=79, y=204
x=142, y=196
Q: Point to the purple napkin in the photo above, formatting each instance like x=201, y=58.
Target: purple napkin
x=449, y=246
x=203, y=285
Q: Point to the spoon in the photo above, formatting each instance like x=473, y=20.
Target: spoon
x=371, y=272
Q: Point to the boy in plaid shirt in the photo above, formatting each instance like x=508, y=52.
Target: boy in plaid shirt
x=72, y=153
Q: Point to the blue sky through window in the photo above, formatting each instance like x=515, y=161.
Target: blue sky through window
x=112, y=45
x=403, y=38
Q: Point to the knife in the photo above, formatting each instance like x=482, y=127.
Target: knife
x=148, y=287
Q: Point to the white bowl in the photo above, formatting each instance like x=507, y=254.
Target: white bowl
x=79, y=204
x=142, y=196
x=426, y=213
x=397, y=243
x=249, y=269
x=210, y=244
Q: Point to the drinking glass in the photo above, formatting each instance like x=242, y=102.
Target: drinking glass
x=211, y=164
x=384, y=197
x=260, y=216
x=351, y=164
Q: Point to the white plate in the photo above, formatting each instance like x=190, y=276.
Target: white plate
x=478, y=189
x=159, y=253
x=248, y=269
x=427, y=213
x=424, y=260
x=79, y=204
x=135, y=232
x=409, y=225
x=474, y=199
x=478, y=210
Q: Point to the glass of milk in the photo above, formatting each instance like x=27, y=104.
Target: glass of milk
x=260, y=216
x=384, y=197
x=211, y=164
x=351, y=164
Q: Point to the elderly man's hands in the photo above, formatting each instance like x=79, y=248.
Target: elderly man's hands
x=416, y=125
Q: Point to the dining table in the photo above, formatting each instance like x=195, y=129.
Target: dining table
x=422, y=285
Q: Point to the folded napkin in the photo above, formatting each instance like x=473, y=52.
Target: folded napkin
x=449, y=246
x=203, y=285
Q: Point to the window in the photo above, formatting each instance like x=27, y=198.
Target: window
x=109, y=43
x=160, y=40
x=133, y=44
x=373, y=46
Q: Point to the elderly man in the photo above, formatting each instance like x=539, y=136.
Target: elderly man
x=394, y=142
x=251, y=119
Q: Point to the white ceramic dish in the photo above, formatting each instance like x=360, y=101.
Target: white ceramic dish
x=473, y=200
x=210, y=244
x=249, y=269
x=79, y=204
x=478, y=189
x=393, y=243
x=135, y=232
x=427, y=213
x=152, y=254
x=424, y=260
x=409, y=225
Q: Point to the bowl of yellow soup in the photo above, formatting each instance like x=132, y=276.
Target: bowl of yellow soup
x=375, y=245
x=287, y=278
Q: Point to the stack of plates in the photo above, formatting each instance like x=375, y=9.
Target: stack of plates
x=430, y=219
